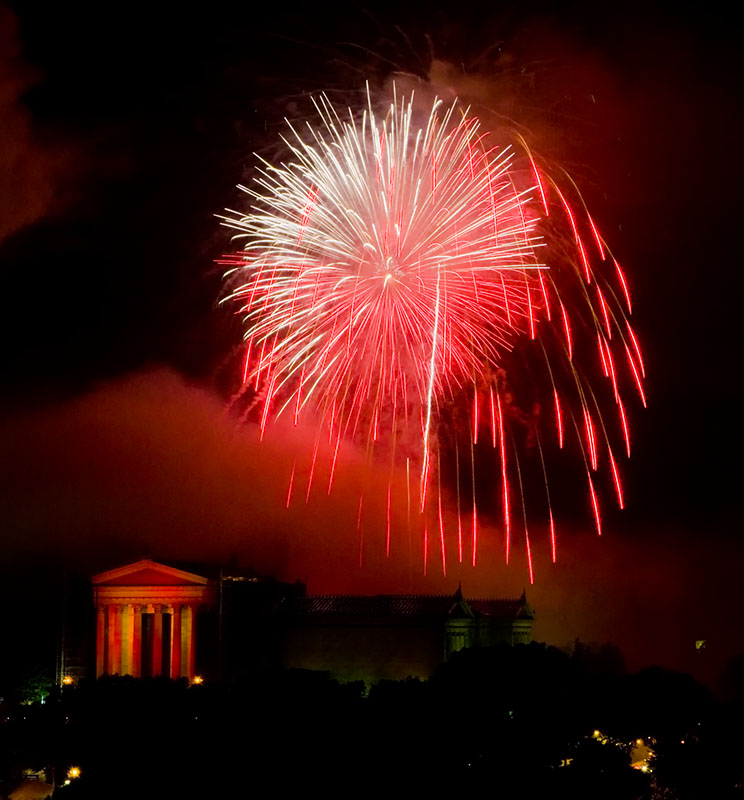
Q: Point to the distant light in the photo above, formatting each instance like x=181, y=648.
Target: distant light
x=639, y=741
x=67, y=680
x=198, y=679
x=700, y=644
x=73, y=772
x=596, y=734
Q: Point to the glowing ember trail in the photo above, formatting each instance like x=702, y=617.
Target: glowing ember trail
x=504, y=481
x=558, y=418
x=291, y=483
x=475, y=508
x=595, y=505
x=401, y=262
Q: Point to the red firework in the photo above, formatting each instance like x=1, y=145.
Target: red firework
x=392, y=264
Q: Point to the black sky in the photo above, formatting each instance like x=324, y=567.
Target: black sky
x=125, y=130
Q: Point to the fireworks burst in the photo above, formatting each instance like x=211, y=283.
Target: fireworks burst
x=391, y=268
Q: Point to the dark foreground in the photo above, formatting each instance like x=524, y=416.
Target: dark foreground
x=512, y=722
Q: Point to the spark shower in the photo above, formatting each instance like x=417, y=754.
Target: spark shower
x=394, y=267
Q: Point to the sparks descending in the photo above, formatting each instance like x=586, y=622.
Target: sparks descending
x=395, y=266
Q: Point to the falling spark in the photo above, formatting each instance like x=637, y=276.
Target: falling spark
x=387, y=523
x=558, y=418
x=616, y=480
x=291, y=483
x=360, y=531
x=504, y=480
x=595, y=505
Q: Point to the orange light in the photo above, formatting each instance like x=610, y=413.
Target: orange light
x=67, y=680
x=198, y=679
x=73, y=772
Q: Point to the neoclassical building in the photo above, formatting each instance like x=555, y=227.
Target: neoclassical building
x=145, y=619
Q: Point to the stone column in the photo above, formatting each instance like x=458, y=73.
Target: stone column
x=115, y=640
x=127, y=638
x=187, y=642
x=157, y=641
x=175, y=643
x=137, y=643
x=109, y=640
x=100, y=640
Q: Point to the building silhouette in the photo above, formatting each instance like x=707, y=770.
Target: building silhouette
x=152, y=619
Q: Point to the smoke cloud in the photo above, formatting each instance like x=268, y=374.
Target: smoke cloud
x=27, y=168
x=152, y=464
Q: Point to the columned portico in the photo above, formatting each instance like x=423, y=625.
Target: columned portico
x=132, y=605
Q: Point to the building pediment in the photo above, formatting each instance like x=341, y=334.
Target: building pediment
x=148, y=573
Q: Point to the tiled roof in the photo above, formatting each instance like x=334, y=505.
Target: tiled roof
x=401, y=605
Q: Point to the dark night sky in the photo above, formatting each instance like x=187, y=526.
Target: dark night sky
x=125, y=130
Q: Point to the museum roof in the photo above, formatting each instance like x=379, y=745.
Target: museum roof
x=420, y=606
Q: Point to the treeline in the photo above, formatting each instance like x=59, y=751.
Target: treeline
x=515, y=722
